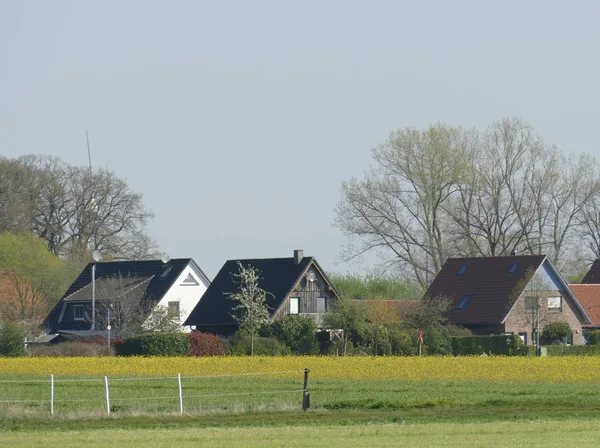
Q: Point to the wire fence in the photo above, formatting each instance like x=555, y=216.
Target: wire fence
x=264, y=390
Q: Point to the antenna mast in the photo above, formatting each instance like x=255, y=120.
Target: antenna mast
x=88, y=147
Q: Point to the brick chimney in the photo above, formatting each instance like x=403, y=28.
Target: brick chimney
x=298, y=255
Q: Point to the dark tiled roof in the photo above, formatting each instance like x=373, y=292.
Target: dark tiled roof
x=278, y=277
x=488, y=281
x=593, y=275
x=161, y=277
x=589, y=297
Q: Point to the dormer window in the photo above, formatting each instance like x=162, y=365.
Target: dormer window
x=513, y=268
x=464, y=302
x=463, y=269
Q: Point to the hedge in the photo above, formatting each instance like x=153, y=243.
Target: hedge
x=510, y=345
x=573, y=350
x=154, y=344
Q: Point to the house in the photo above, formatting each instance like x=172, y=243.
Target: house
x=588, y=295
x=593, y=274
x=295, y=285
x=508, y=295
x=133, y=288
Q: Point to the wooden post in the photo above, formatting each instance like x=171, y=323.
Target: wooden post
x=180, y=394
x=107, y=396
x=51, y=394
x=306, y=393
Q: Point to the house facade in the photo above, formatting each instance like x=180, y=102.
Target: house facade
x=508, y=295
x=176, y=284
x=294, y=286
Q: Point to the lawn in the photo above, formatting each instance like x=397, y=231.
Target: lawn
x=244, y=402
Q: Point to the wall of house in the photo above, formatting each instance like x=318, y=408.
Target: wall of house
x=188, y=295
x=308, y=292
x=519, y=320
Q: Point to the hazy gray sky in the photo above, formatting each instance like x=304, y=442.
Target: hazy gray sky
x=238, y=121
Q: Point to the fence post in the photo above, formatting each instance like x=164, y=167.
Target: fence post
x=180, y=394
x=107, y=396
x=51, y=394
x=306, y=394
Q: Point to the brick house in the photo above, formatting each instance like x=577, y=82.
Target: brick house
x=508, y=295
x=588, y=295
x=19, y=301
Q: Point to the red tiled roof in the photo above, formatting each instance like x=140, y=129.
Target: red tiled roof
x=589, y=297
x=488, y=281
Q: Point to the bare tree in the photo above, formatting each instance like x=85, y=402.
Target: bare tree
x=399, y=205
x=74, y=209
x=122, y=304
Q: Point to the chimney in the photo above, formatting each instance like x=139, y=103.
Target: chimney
x=298, y=255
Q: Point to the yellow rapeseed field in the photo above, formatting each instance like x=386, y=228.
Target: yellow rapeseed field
x=497, y=369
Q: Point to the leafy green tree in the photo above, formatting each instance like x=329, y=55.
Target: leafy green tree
x=437, y=340
x=251, y=312
x=37, y=278
x=428, y=315
x=348, y=316
x=12, y=339
x=375, y=339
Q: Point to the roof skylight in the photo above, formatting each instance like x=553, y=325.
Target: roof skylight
x=463, y=269
x=513, y=268
x=464, y=302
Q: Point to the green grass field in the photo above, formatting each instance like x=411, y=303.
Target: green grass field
x=266, y=411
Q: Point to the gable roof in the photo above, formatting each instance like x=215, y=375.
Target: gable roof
x=153, y=277
x=488, y=281
x=589, y=297
x=278, y=276
x=593, y=275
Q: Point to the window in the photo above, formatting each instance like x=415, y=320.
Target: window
x=189, y=281
x=463, y=303
x=523, y=337
x=78, y=312
x=463, y=269
x=321, y=305
x=513, y=268
x=294, y=305
x=554, y=303
x=173, y=310
x=531, y=303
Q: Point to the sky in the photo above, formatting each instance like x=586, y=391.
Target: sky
x=238, y=121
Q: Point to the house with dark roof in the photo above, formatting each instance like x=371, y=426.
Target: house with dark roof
x=593, y=274
x=177, y=285
x=588, y=295
x=507, y=295
x=295, y=285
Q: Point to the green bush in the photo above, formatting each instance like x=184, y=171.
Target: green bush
x=557, y=333
x=374, y=340
x=509, y=345
x=240, y=345
x=573, y=350
x=154, y=344
x=593, y=337
x=403, y=342
x=299, y=333
x=12, y=340
x=437, y=341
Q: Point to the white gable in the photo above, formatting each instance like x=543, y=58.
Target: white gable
x=187, y=290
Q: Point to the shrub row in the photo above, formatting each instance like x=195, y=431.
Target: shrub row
x=510, y=345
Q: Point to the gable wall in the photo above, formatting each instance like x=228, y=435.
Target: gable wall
x=188, y=296
x=308, y=292
x=519, y=320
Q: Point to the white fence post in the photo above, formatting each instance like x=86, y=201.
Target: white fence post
x=51, y=394
x=107, y=396
x=180, y=394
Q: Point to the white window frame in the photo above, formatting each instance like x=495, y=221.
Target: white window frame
x=76, y=307
x=295, y=309
x=555, y=300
